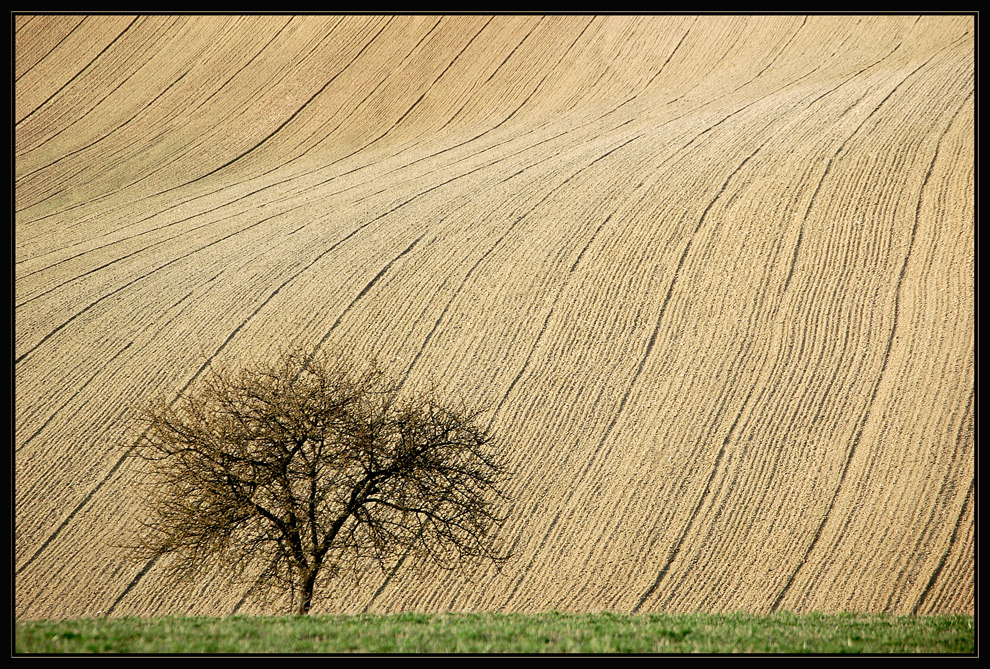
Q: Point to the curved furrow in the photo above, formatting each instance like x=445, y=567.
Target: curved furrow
x=150, y=564
x=478, y=263
x=184, y=303
x=54, y=94
x=139, y=114
x=89, y=306
x=549, y=313
x=367, y=287
x=595, y=453
x=965, y=512
x=712, y=274
x=877, y=378
x=83, y=114
x=367, y=144
x=192, y=136
x=21, y=67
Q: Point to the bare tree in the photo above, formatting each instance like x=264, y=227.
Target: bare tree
x=296, y=470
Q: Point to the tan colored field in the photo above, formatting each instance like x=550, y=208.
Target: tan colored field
x=716, y=274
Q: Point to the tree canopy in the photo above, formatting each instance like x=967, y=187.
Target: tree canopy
x=294, y=470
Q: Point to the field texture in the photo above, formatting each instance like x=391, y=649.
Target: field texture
x=714, y=275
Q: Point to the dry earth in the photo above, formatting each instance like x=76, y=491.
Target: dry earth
x=715, y=273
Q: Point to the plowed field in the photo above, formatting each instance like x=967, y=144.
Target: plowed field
x=715, y=275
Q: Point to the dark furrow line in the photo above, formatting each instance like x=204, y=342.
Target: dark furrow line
x=285, y=122
x=490, y=77
x=676, y=547
x=666, y=62
x=93, y=304
x=244, y=598
x=614, y=109
x=24, y=24
x=957, y=528
x=122, y=240
x=402, y=204
x=409, y=110
x=712, y=69
x=166, y=165
x=828, y=166
x=773, y=60
x=853, y=76
x=106, y=478
x=50, y=51
x=130, y=586
x=505, y=234
x=71, y=515
x=476, y=137
x=368, y=96
x=243, y=67
x=138, y=251
x=642, y=363
x=388, y=578
x=103, y=367
x=368, y=286
x=883, y=368
x=546, y=321
x=472, y=139
x=764, y=391
x=64, y=404
x=77, y=74
x=116, y=129
x=133, y=281
x=93, y=106
x=545, y=76
x=219, y=88
x=927, y=531
x=191, y=380
x=337, y=322
x=897, y=294
x=464, y=281
x=335, y=162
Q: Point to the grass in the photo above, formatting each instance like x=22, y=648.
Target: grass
x=590, y=633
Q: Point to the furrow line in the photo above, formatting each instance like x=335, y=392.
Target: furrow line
x=76, y=75
x=85, y=384
x=639, y=370
x=50, y=51
x=86, y=113
x=924, y=536
x=152, y=172
x=546, y=321
x=953, y=539
x=133, y=281
x=283, y=124
x=118, y=128
x=900, y=279
x=467, y=276
x=409, y=109
x=876, y=385
x=130, y=586
x=109, y=474
x=505, y=234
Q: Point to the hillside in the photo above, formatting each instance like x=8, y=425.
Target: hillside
x=714, y=273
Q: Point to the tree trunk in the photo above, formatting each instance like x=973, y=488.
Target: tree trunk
x=307, y=583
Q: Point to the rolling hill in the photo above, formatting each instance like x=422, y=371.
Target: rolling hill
x=715, y=274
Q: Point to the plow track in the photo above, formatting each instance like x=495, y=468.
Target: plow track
x=714, y=274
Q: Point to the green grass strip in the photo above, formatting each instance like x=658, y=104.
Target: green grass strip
x=590, y=633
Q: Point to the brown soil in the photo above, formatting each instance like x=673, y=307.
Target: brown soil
x=716, y=274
